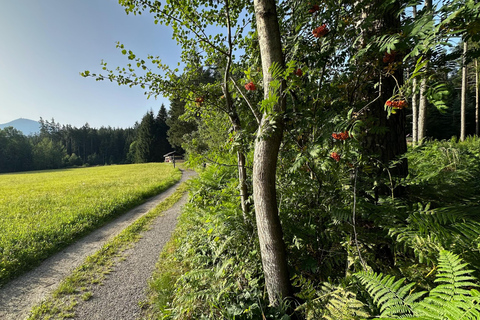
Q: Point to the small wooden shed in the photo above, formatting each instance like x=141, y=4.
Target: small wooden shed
x=173, y=157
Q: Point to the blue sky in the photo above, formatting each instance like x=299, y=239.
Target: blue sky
x=44, y=45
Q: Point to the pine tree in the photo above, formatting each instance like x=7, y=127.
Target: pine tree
x=145, y=139
x=162, y=145
x=178, y=127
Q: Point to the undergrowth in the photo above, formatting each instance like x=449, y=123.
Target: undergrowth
x=333, y=229
x=211, y=268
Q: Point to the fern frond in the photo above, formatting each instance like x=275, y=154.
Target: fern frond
x=454, y=277
x=391, y=296
x=341, y=303
x=464, y=307
x=451, y=299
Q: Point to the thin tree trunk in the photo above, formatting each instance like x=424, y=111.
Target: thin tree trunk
x=242, y=171
x=241, y=162
x=267, y=144
x=242, y=181
x=414, y=114
x=235, y=120
x=414, y=101
x=476, y=98
x=422, y=108
x=464, y=93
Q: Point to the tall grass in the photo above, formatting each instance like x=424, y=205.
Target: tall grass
x=42, y=212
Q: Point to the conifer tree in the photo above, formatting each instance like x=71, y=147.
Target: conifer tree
x=144, y=151
x=161, y=141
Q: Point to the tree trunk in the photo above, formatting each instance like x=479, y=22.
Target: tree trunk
x=422, y=108
x=414, y=114
x=476, y=97
x=242, y=181
x=388, y=142
x=464, y=93
x=414, y=101
x=235, y=120
x=267, y=144
x=241, y=163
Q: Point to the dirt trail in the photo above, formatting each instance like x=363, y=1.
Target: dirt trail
x=120, y=293
x=20, y=295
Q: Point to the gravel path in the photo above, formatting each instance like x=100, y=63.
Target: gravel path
x=21, y=294
x=119, y=296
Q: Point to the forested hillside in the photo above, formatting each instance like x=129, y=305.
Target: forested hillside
x=59, y=146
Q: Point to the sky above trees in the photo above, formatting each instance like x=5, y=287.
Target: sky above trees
x=46, y=44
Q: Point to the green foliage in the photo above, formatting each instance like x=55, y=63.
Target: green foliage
x=63, y=146
x=48, y=210
x=15, y=151
x=453, y=298
x=151, y=138
x=391, y=296
x=48, y=154
x=329, y=301
x=214, y=262
x=449, y=175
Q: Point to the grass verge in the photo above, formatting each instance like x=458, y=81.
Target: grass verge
x=78, y=285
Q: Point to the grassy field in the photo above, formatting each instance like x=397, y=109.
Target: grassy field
x=42, y=212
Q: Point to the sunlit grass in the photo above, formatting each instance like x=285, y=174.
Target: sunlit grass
x=41, y=212
x=80, y=283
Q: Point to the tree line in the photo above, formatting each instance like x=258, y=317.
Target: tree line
x=60, y=146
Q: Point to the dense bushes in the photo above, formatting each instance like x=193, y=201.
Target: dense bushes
x=214, y=268
x=217, y=253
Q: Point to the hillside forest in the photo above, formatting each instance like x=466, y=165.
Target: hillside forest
x=60, y=146
x=342, y=151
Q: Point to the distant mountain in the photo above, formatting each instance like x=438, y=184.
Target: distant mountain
x=27, y=126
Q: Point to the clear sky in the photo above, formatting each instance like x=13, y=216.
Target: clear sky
x=45, y=44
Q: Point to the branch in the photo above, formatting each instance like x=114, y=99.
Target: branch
x=254, y=111
x=378, y=97
x=201, y=35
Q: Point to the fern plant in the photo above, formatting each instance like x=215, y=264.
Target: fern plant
x=453, y=299
x=328, y=301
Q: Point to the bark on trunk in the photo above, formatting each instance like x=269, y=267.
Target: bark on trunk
x=242, y=181
x=267, y=144
x=422, y=110
x=414, y=114
x=414, y=101
x=235, y=120
x=241, y=162
x=476, y=97
x=464, y=94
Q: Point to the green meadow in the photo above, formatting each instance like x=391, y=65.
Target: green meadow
x=42, y=212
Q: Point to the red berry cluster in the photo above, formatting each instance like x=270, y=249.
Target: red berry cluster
x=341, y=135
x=314, y=9
x=396, y=104
x=335, y=156
x=389, y=57
x=320, y=31
x=250, y=86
